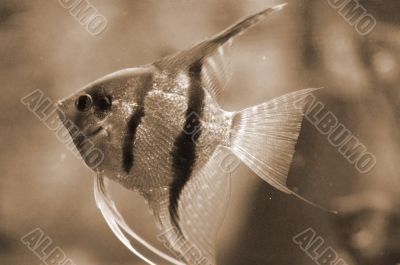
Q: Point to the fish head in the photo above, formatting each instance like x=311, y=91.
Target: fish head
x=97, y=117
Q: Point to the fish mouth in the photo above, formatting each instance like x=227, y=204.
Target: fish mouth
x=98, y=130
x=95, y=131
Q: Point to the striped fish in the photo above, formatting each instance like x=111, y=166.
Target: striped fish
x=162, y=133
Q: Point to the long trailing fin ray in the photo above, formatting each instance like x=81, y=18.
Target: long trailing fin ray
x=244, y=24
x=214, y=53
x=264, y=137
x=202, y=207
x=120, y=228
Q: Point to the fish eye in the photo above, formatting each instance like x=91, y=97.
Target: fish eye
x=104, y=103
x=84, y=102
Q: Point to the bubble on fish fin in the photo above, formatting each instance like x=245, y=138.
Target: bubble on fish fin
x=119, y=227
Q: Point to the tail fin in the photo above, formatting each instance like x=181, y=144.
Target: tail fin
x=264, y=137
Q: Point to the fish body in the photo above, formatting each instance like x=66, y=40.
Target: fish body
x=139, y=138
x=160, y=128
x=194, y=124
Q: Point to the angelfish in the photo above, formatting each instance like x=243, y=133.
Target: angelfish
x=161, y=130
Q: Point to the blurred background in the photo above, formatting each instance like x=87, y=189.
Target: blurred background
x=307, y=45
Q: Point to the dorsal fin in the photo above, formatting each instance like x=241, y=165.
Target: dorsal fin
x=244, y=24
x=213, y=52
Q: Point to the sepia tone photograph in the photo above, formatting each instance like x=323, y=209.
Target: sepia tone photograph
x=213, y=132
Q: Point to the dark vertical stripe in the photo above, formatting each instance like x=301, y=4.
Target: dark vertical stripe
x=184, y=152
x=133, y=123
